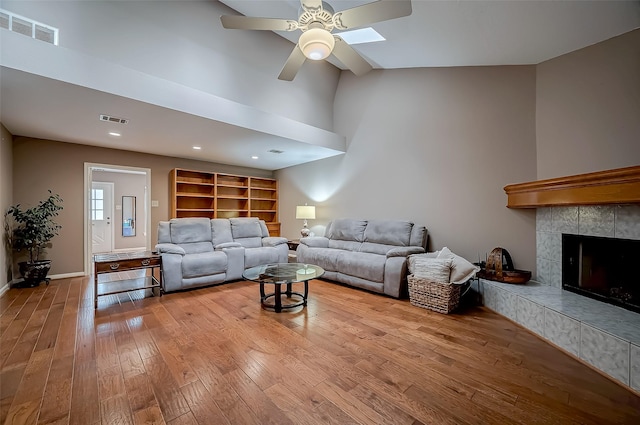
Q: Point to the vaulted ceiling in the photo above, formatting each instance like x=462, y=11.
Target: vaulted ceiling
x=436, y=34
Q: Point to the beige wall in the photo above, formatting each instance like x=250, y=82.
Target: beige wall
x=588, y=109
x=6, y=200
x=433, y=146
x=39, y=165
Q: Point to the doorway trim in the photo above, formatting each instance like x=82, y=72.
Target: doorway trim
x=89, y=167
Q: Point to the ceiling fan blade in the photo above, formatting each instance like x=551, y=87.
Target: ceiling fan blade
x=371, y=12
x=350, y=58
x=311, y=5
x=293, y=64
x=251, y=23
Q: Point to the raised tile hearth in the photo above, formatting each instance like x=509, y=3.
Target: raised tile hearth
x=602, y=335
x=603, y=204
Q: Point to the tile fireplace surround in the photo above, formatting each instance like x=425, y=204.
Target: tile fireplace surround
x=605, y=336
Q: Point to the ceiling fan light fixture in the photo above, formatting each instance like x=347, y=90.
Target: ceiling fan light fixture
x=316, y=43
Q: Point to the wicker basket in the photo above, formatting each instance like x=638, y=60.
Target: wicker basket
x=436, y=296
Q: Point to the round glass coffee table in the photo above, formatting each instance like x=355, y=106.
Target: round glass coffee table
x=283, y=274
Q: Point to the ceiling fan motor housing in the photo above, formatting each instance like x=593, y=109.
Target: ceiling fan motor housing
x=316, y=43
x=323, y=17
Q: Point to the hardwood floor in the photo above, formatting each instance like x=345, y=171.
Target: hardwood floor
x=213, y=356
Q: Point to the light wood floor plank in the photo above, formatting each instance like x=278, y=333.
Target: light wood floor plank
x=214, y=356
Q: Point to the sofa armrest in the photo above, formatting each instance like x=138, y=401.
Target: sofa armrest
x=169, y=248
x=222, y=246
x=273, y=241
x=315, y=241
x=404, y=251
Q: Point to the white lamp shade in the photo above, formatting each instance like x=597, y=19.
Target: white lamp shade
x=316, y=43
x=306, y=212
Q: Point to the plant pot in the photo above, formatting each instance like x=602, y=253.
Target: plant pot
x=34, y=272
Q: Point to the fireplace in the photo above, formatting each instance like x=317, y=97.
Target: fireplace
x=606, y=269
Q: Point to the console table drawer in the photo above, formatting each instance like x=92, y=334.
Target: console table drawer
x=130, y=264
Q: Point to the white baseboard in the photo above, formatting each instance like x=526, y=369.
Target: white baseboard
x=5, y=288
x=66, y=275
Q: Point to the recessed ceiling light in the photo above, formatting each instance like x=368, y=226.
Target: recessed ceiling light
x=254, y=157
x=363, y=35
x=197, y=148
x=114, y=134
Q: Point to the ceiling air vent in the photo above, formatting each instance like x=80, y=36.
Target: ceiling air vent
x=275, y=151
x=117, y=120
x=28, y=27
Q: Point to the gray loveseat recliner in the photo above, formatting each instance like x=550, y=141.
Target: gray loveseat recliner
x=200, y=251
x=367, y=254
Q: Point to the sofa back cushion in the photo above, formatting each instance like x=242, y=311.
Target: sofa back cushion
x=220, y=231
x=190, y=230
x=164, y=232
x=246, y=231
x=419, y=236
x=346, y=229
x=388, y=232
x=265, y=229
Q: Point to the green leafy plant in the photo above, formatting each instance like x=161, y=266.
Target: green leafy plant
x=33, y=228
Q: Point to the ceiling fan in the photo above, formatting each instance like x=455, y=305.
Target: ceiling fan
x=316, y=22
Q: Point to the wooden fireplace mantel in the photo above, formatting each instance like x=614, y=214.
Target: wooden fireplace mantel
x=619, y=186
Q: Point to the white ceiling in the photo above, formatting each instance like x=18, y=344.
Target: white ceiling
x=470, y=33
x=437, y=34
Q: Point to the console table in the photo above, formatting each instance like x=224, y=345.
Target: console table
x=125, y=261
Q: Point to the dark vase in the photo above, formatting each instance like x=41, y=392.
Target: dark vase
x=34, y=272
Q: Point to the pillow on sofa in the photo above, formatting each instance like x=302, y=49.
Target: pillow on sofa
x=461, y=269
x=433, y=269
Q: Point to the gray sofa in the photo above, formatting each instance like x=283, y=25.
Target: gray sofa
x=366, y=254
x=200, y=251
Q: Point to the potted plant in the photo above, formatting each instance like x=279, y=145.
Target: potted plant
x=31, y=230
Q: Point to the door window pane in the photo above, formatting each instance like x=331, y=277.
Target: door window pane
x=97, y=204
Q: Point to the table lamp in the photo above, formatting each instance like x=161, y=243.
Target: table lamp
x=304, y=212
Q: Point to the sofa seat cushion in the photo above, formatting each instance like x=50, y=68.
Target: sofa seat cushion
x=255, y=242
x=327, y=258
x=363, y=265
x=376, y=248
x=196, y=247
x=203, y=264
x=259, y=256
x=345, y=245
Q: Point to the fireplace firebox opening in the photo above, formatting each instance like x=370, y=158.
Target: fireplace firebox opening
x=606, y=269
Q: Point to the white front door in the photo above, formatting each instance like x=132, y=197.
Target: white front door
x=101, y=207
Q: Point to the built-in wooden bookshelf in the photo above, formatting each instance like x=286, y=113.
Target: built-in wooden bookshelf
x=218, y=195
